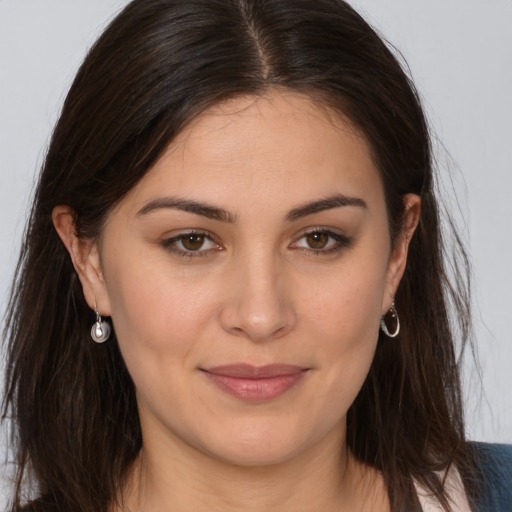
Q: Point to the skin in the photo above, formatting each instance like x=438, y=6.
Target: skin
x=260, y=290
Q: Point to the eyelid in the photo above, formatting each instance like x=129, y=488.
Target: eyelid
x=342, y=241
x=169, y=243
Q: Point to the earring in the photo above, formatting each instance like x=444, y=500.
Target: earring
x=394, y=314
x=100, y=330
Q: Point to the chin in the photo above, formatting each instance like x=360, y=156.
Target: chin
x=264, y=446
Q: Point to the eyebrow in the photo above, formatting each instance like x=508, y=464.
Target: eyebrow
x=327, y=203
x=213, y=212
x=188, y=205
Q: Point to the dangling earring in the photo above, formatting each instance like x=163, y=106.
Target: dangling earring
x=394, y=314
x=100, y=330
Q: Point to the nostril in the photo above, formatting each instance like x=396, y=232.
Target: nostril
x=258, y=304
x=261, y=328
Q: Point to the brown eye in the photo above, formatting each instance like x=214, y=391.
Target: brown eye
x=318, y=240
x=192, y=242
x=322, y=241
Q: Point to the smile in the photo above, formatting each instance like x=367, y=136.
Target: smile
x=256, y=384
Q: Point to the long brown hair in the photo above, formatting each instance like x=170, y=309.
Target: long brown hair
x=158, y=65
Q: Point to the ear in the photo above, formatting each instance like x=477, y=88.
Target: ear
x=85, y=256
x=398, y=259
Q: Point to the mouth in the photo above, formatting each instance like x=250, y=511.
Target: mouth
x=255, y=383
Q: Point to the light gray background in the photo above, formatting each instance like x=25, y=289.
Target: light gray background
x=460, y=55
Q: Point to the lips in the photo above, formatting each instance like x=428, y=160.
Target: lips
x=253, y=383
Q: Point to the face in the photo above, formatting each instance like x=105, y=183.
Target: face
x=246, y=275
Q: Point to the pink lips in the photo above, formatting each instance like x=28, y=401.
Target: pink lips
x=256, y=384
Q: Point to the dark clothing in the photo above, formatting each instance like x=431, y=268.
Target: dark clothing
x=495, y=461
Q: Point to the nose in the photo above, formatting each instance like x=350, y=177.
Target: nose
x=259, y=301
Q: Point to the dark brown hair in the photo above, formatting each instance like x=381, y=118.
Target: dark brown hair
x=158, y=65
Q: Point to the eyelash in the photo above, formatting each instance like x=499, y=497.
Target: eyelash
x=342, y=242
x=170, y=245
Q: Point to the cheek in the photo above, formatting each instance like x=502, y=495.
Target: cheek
x=160, y=321
x=157, y=313
x=348, y=302
x=343, y=318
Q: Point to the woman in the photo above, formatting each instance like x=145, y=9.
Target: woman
x=232, y=293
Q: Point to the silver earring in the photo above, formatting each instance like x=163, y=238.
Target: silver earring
x=394, y=314
x=100, y=330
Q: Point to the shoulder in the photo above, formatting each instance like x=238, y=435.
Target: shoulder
x=495, y=469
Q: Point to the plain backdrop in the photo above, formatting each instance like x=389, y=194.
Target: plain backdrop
x=460, y=56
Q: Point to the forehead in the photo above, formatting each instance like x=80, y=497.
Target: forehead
x=277, y=115
x=278, y=147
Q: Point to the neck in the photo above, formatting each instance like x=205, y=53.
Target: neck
x=181, y=479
